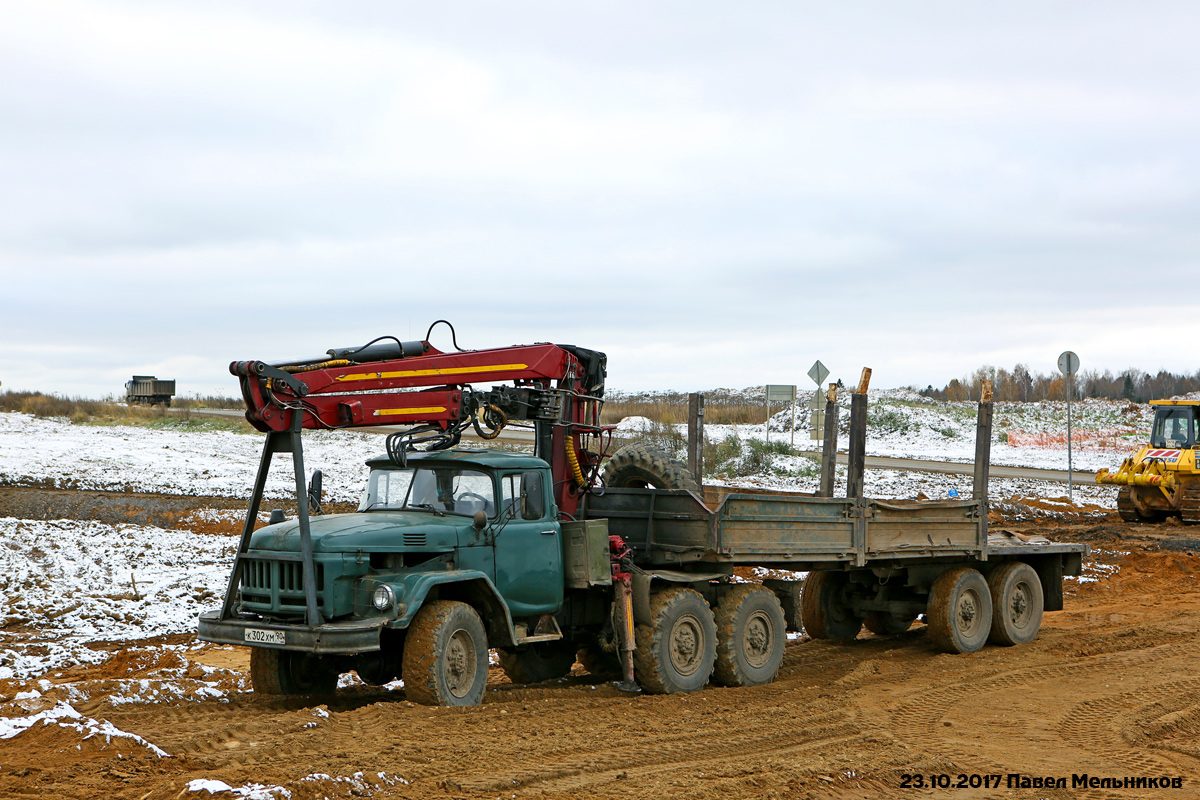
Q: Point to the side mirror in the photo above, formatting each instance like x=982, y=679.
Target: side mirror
x=314, y=493
x=533, y=499
x=479, y=521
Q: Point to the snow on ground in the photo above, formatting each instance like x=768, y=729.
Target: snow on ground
x=904, y=424
x=56, y=452
x=78, y=582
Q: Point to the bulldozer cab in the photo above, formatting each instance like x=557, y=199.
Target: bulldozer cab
x=1174, y=427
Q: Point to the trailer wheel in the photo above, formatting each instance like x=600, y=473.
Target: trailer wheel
x=534, y=663
x=290, y=672
x=751, y=631
x=445, y=655
x=823, y=607
x=960, y=611
x=883, y=623
x=639, y=466
x=676, y=651
x=1017, y=603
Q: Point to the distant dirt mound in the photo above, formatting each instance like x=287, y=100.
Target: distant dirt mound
x=1032, y=508
x=1108, y=438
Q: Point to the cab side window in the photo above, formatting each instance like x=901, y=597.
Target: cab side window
x=510, y=487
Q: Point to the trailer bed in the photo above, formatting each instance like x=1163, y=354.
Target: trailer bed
x=673, y=528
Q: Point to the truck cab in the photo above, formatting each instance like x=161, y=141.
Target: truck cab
x=474, y=526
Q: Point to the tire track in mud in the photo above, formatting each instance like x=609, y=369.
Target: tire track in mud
x=589, y=767
x=917, y=721
x=1096, y=725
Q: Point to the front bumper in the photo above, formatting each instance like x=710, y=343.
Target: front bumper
x=354, y=636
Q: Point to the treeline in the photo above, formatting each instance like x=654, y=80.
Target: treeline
x=1021, y=385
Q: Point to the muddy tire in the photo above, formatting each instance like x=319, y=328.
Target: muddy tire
x=883, y=623
x=640, y=466
x=960, y=611
x=751, y=632
x=677, y=650
x=446, y=655
x=289, y=672
x=534, y=663
x=1017, y=603
x=824, y=610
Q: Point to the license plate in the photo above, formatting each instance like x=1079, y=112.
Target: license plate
x=265, y=637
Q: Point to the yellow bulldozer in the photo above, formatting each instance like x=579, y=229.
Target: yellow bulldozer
x=1162, y=478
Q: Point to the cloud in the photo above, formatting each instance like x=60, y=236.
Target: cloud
x=715, y=195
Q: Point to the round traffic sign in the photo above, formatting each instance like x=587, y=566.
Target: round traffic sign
x=1068, y=363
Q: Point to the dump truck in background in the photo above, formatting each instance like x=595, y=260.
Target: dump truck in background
x=1163, y=477
x=149, y=390
x=557, y=556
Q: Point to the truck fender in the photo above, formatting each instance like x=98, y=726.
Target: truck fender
x=468, y=585
x=642, y=581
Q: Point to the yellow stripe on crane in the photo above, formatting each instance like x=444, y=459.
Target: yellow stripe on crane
x=395, y=412
x=423, y=373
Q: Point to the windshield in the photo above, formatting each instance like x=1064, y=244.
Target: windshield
x=440, y=489
x=1173, y=427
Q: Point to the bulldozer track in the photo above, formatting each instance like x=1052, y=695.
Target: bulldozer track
x=1189, y=507
x=1125, y=506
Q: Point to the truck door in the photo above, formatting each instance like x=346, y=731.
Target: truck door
x=529, y=571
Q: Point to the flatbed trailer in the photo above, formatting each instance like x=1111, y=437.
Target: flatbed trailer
x=878, y=560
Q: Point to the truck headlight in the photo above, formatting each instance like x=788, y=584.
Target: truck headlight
x=384, y=597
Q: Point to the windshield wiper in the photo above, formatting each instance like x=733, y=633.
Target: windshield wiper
x=437, y=512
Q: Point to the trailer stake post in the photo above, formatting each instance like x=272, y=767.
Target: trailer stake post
x=696, y=436
x=858, y=438
x=829, y=444
x=983, y=458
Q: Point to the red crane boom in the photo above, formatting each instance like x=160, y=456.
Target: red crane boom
x=558, y=389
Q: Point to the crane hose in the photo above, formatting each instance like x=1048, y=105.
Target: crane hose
x=573, y=461
x=341, y=362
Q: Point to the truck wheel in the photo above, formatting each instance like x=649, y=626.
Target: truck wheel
x=884, y=623
x=676, y=651
x=823, y=607
x=1017, y=603
x=639, y=466
x=960, y=611
x=445, y=655
x=543, y=661
x=290, y=672
x=750, y=635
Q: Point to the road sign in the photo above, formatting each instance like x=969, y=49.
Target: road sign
x=816, y=425
x=780, y=393
x=818, y=373
x=817, y=403
x=1068, y=364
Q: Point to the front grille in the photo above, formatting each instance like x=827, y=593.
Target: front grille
x=277, y=586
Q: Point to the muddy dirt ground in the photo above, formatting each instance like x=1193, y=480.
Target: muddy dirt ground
x=1111, y=688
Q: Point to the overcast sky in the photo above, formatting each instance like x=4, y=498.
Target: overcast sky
x=715, y=194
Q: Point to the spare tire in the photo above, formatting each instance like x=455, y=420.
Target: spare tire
x=641, y=466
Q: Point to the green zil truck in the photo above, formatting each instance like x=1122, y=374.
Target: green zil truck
x=553, y=558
